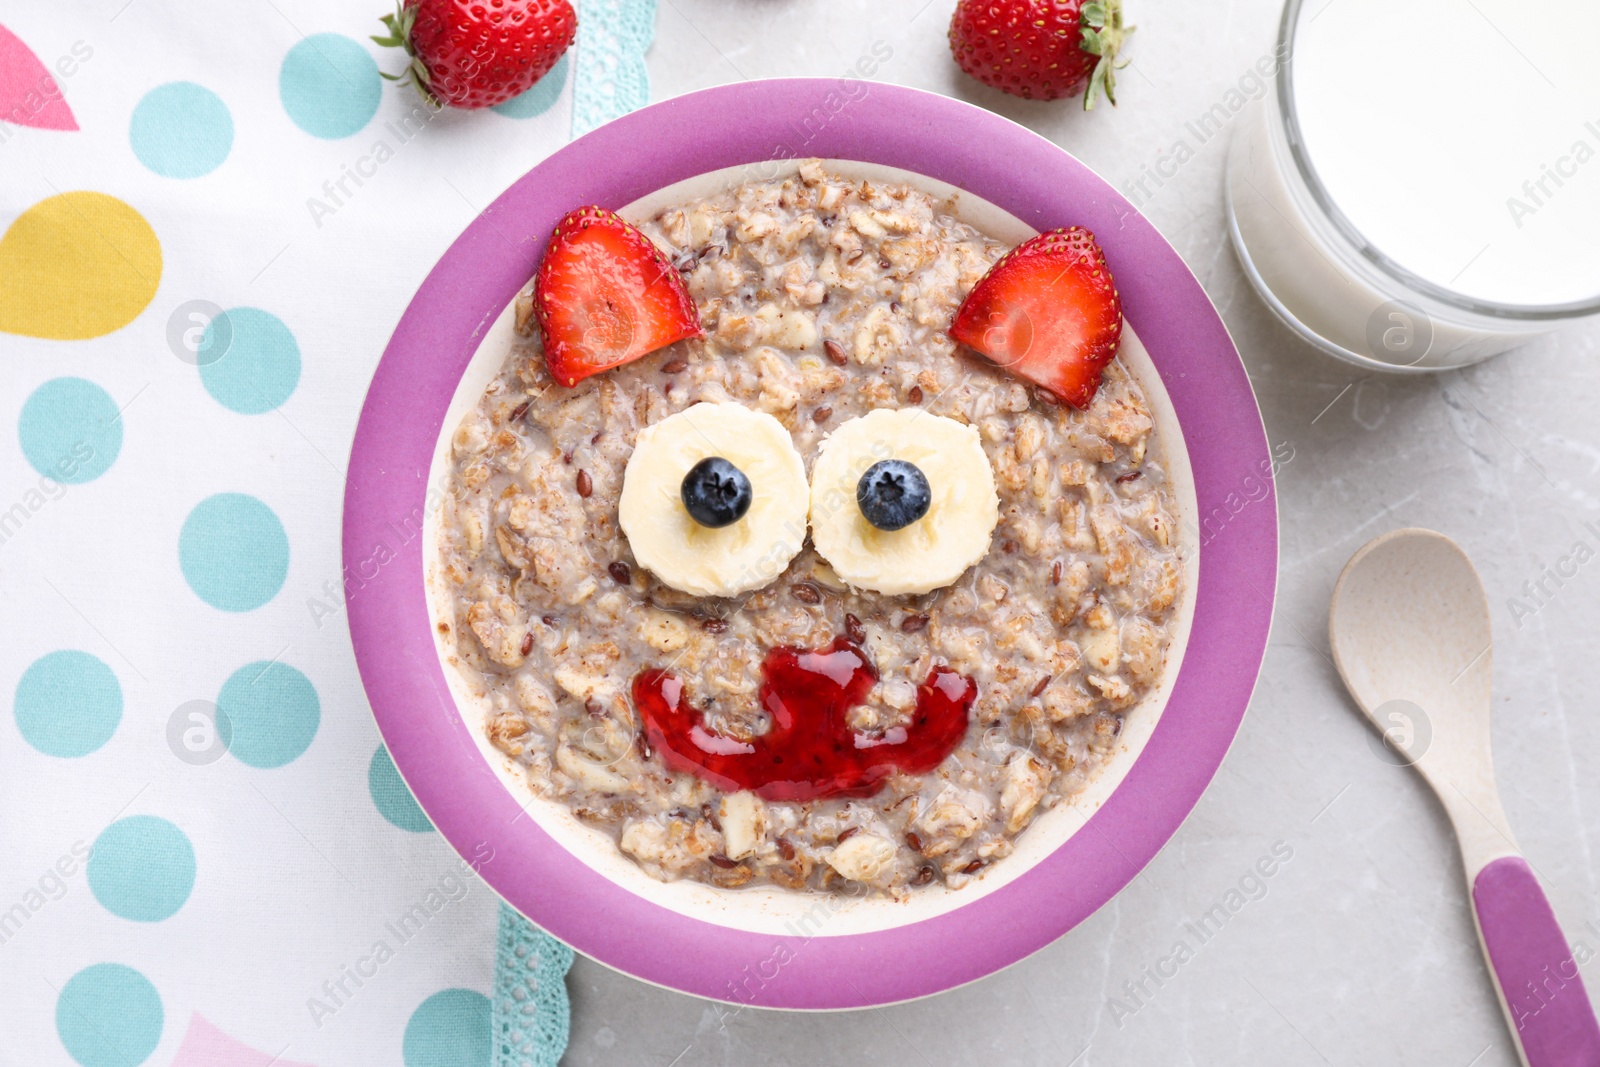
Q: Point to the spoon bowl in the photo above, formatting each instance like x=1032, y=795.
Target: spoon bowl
x=1411, y=639
x=1410, y=622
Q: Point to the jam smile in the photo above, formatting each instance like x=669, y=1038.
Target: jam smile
x=810, y=751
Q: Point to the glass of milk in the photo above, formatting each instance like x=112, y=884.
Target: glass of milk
x=1422, y=190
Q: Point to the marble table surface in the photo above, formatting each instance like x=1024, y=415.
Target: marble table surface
x=1360, y=948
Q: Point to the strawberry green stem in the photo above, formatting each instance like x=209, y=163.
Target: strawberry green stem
x=1103, y=36
x=399, y=36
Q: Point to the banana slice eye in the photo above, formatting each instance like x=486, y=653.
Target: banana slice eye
x=714, y=499
x=867, y=519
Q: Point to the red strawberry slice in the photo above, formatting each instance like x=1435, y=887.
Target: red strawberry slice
x=1047, y=311
x=605, y=295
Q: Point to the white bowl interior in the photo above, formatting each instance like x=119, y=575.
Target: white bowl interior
x=769, y=909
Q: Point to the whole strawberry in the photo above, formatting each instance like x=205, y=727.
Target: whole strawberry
x=1041, y=49
x=478, y=53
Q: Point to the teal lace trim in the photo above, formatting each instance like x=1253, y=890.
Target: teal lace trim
x=532, y=1016
x=611, y=79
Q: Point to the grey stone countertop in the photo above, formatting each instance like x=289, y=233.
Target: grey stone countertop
x=1360, y=948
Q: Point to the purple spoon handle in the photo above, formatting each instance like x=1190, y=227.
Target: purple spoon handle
x=1544, y=996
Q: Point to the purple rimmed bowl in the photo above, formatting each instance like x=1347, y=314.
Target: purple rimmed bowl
x=774, y=948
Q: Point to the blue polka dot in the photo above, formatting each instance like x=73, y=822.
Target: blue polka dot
x=141, y=868
x=71, y=430
x=393, y=798
x=449, y=1029
x=249, y=360
x=272, y=713
x=539, y=97
x=181, y=130
x=233, y=552
x=329, y=85
x=68, y=704
x=109, y=1015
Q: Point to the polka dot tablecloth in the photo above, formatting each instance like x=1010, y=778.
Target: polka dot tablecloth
x=212, y=217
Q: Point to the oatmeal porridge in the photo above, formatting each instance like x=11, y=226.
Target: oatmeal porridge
x=923, y=730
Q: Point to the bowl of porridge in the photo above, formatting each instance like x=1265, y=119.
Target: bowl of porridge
x=811, y=637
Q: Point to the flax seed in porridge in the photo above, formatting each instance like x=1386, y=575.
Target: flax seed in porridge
x=960, y=714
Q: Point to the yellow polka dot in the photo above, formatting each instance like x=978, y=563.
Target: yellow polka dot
x=75, y=266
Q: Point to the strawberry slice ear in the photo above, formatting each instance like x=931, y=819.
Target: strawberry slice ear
x=605, y=295
x=1047, y=311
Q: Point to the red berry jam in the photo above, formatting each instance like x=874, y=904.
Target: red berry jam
x=810, y=750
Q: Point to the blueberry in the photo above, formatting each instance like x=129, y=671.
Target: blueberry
x=893, y=494
x=715, y=492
